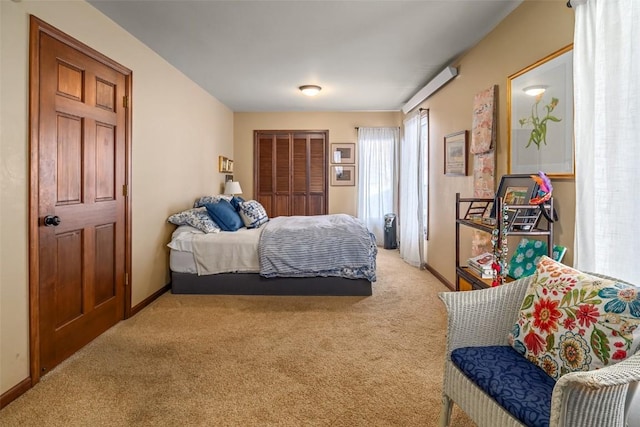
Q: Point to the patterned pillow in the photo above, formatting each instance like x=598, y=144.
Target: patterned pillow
x=571, y=321
x=200, y=202
x=527, y=254
x=253, y=214
x=196, y=217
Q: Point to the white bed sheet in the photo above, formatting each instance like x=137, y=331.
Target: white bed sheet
x=182, y=262
x=214, y=253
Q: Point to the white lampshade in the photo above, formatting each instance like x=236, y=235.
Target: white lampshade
x=232, y=187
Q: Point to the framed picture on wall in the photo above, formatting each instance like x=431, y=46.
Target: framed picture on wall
x=343, y=153
x=455, y=153
x=343, y=175
x=515, y=189
x=225, y=165
x=540, y=116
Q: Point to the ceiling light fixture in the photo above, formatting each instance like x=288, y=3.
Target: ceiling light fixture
x=534, y=90
x=310, y=90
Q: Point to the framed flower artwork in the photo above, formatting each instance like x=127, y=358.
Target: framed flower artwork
x=540, y=117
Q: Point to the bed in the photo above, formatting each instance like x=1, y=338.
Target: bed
x=316, y=255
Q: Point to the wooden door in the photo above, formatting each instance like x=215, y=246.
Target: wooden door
x=81, y=189
x=317, y=176
x=308, y=170
x=291, y=177
x=282, y=175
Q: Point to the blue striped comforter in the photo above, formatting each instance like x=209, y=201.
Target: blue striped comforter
x=323, y=245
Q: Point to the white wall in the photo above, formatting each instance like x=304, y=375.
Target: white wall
x=178, y=132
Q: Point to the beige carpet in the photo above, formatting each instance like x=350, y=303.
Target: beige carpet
x=196, y=360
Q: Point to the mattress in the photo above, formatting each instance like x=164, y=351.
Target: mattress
x=226, y=252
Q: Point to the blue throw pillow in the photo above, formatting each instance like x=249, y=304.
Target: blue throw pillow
x=235, y=202
x=224, y=215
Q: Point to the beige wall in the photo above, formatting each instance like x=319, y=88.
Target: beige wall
x=178, y=132
x=341, y=128
x=529, y=33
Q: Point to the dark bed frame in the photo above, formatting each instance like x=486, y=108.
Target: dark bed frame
x=254, y=284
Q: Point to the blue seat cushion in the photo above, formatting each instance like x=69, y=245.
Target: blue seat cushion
x=519, y=386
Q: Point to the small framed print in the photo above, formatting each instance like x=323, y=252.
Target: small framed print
x=515, y=189
x=225, y=165
x=343, y=153
x=343, y=175
x=455, y=153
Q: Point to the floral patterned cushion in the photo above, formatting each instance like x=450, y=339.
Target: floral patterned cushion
x=252, y=213
x=571, y=321
x=527, y=254
x=201, y=201
x=196, y=217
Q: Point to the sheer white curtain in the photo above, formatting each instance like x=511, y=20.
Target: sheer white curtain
x=411, y=193
x=423, y=172
x=377, y=177
x=607, y=131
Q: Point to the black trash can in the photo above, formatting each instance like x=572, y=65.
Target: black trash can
x=390, y=237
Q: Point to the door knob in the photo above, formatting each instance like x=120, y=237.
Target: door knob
x=51, y=221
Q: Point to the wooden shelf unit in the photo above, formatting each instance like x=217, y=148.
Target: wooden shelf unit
x=474, y=217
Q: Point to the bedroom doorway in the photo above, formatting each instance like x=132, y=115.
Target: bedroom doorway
x=79, y=207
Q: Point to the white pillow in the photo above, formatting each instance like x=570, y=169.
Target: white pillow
x=196, y=217
x=200, y=202
x=252, y=213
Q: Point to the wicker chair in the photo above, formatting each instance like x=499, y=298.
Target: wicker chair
x=596, y=398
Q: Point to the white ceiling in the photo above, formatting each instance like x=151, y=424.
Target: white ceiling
x=252, y=55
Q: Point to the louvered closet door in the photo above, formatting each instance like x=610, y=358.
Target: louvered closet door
x=291, y=172
x=282, y=179
x=264, y=171
x=317, y=195
x=299, y=168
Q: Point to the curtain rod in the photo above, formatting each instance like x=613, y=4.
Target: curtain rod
x=419, y=110
x=570, y=3
x=378, y=127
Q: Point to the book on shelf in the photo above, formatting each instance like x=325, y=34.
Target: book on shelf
x=481, y=273
x=482, y=261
